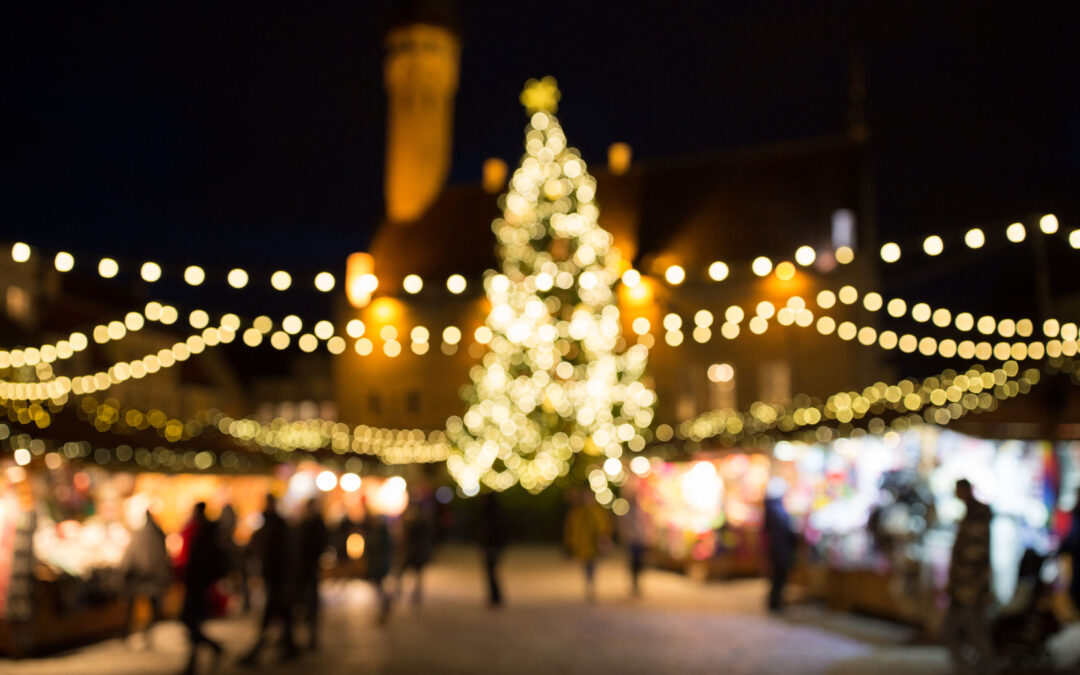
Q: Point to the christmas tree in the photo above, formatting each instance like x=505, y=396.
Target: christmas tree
x=558, y=392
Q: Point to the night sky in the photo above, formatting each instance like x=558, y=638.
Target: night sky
x=252, y=133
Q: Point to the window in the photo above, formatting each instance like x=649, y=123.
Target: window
x=843, y=229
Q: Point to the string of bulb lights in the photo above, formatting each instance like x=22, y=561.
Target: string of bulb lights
x=761, y=266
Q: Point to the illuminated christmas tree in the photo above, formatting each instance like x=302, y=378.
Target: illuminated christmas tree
x=558, y=392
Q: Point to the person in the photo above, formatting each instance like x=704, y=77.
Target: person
x=492, y=536
x=274, y=550
x=1070, y=546
x=147, y=572
x=967, y=625
x=417, y=541
x=586, y=533
x=632, y=534
x=203, y=566
x=234, y=554
x=378, y=552
x=780, y=541
x=1023, y=626
x=313, y=541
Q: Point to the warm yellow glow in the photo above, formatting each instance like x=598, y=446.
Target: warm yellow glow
x=765, y=309
x=631, y=278
x=325, y=282
x=108, y=268
x=721, y=372
x=734, y=314
x=921, y=312
x=619, y=157
x=64, y=261
x=493, y=175
x=385, y=310
x=451, y=335
x=826, y=299
x=672, y=322
x=360, y=280
x=805, y=255
x=355, y=328
x=364, y=347
x=844, y=255
x=785, y=271
x=872, y=301
x=308, y=343
x=292, y=324
x=974, y=238
x=540, y=96
x=848, y=295
x=641, y=325
x=718, y=271
x=1015, y=233
x=281, y=280
x=761, y=266
x=237, y=278
x=1048, y=224
x=20, y=252
x=1074, y=238
x=412, y=284
x=279, y=340
x=703, y=317
x=199, y=319
x=675, y=275
x=456, y=284
x=965, y=321
x=324, y=330
x=194, y=275
x=150, y=271
x=890, y=252
x=933, y=245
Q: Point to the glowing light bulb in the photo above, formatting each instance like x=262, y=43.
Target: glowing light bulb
x=412, y=284
x=194, y=275
x=280, y=280
x=150, y=271
x=324, y=281
x=237, y=278
x=455, y=283
x=64, y=261
x=761, y=266
x=890, y=252
x=1015, y=233
x=20, y=252
x=805, y=255
x=933, y=245
x=675, y=275
x=1048, y=224
x=108, y=268
x=974, y=238
x=718, y=271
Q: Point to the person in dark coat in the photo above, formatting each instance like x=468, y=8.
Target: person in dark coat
x=234, y=554
x=966, y=628
x=417, y=541
x=492, y=540
x=313, y=539
x=202, y=568
x=378, y=552
x=276, y=553
x=780, y=541
x=147, y=572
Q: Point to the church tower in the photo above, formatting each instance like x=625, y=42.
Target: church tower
x=420, y=73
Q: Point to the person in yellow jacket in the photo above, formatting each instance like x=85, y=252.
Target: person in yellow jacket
x=586, y=534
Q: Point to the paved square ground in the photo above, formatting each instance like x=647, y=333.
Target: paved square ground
x=678, y=626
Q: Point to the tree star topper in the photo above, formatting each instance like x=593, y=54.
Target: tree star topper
x=541, y=95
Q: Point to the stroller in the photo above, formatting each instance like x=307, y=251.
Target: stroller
x=1023, y=627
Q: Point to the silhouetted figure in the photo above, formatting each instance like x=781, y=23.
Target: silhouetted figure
x=417, y=541
x=203, y=566
x=1070, y=545
x=967, y=623
x=586, y=532
x=1023, y=626
x=147, y=572
x=313, y=539
x=236, y=569
x=780, y=541
x=378, y=551
x=492, y=535
x=632, y=533
x=275, y=550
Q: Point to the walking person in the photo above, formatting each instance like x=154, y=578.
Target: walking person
x=313, y=539
x=147, y=573
x=780, y=541
x=378, y=551
x=203, y=566
x=587, y=532
x=274, y=549
x=967, y=626
x=492, y=536
x=234, y=555
x=632, y=528
x=417, y=541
